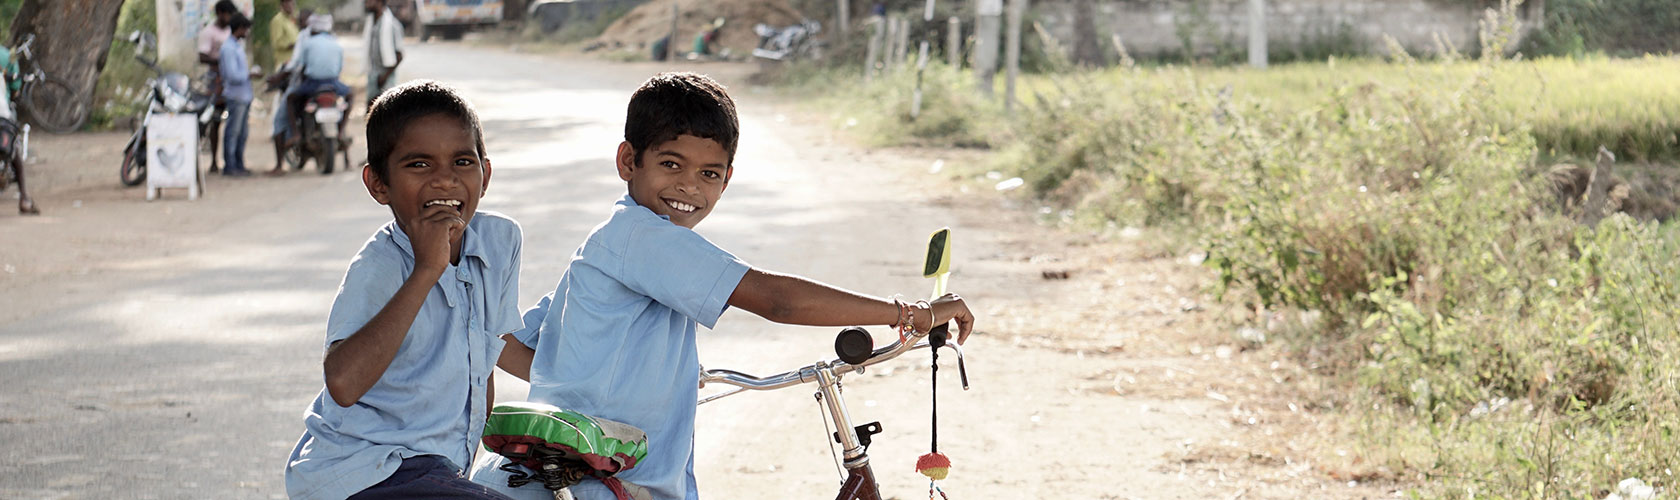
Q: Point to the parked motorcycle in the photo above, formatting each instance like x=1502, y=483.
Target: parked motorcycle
x=794, y=42
x=317, y=131
x=168, y=92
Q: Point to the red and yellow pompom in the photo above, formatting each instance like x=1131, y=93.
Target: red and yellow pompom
x=934, y=465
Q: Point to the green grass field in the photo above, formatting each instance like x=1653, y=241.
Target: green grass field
x=1488, y=344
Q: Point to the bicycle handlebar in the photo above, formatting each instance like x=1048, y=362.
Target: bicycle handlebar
x=808, y=373
x=24, y=47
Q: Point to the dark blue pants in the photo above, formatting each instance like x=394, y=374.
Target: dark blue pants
x=427, y=477
x=234, y=135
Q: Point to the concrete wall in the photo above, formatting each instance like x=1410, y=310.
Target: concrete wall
x=1156, y=26
x=178, y=25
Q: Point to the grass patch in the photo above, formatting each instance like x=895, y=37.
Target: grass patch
x=1490, y=346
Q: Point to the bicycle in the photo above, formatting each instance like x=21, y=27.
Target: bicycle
x=48, y=101
x=566, y=447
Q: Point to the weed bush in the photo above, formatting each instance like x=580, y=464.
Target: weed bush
x=1502, y=348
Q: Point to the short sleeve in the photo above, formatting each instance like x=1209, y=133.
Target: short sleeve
x=530, y=333
x=390, y=37
x=682, y=270
x=506, y=319
x=368, y=285
x=207, y=42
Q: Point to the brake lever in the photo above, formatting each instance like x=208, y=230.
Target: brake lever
x=939, y=337
x=962, y=370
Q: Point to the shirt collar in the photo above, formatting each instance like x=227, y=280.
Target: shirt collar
x=630, y=203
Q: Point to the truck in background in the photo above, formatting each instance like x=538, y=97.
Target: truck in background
x=452, y=18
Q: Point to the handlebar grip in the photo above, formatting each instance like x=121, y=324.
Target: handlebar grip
x=854, y=345
x=939, y=334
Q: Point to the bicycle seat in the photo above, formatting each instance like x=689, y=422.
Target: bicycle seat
x=563, y=446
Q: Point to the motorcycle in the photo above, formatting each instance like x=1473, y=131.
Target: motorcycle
x=794, y=42
x=168, y=92
x=317, y=129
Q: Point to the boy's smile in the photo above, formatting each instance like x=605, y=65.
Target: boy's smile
x=434, y=167
x=681, y=178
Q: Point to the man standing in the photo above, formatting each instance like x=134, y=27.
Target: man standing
x=282, y=37
x=236, y=91
x=210, y=40
x=384, y=41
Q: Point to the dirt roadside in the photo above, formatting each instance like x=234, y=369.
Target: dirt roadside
x=1111, y=372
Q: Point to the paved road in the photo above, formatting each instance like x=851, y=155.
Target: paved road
x=184, y=374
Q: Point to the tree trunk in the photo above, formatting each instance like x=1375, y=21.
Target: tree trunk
x=1087, y=44
x=71, y=38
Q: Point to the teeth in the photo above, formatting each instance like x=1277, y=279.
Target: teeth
x=681, y=206
x=451, y=203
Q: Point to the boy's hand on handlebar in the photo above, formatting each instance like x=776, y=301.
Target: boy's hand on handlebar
x=951, y=307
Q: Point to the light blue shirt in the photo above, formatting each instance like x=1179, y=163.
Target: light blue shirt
x=321, y=56
x=619, y=341
x=431, y=400
x=236, y=72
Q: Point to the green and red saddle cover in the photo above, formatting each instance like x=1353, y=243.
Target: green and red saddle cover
x=525, y=432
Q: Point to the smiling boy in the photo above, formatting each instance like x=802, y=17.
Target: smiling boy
x=414, y=332
x=617, y=337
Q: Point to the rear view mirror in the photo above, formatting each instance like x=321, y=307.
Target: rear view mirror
x=938, y=264
x=938, y=254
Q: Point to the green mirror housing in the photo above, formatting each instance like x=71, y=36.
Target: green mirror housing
x=938, y=254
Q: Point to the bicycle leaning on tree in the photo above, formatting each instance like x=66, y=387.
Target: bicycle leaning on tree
x=47, y=101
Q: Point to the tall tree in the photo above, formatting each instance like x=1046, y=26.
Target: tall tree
x=71, y=38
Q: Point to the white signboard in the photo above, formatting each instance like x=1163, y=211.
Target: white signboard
x=172, y=154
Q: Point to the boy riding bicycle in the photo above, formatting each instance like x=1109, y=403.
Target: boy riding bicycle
x=617, y=337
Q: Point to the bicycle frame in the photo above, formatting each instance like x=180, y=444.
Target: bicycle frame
x=860, y=478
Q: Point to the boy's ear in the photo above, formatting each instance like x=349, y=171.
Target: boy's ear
x=486, y=187
x=626, y=160
x=377, y=188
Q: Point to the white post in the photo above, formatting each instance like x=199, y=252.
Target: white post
x=986, y=43
x=890, y=50
x=1257, y=33
x=953, y=42
x=872, y=58
x=922, y=60
x=1012, y=52
x=903, y=52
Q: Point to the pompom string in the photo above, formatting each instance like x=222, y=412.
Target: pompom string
x=935, y=465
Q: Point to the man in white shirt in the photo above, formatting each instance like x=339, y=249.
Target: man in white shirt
x=384, y=42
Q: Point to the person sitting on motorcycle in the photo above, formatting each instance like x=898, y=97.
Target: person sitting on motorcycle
x=14, y=82
x=318, y=61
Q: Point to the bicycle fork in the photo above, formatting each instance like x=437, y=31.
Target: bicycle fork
x=860, y=479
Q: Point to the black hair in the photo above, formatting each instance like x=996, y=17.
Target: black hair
x=238, y=21
x=393, y=110
x=225, y=7
x=681, y=103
